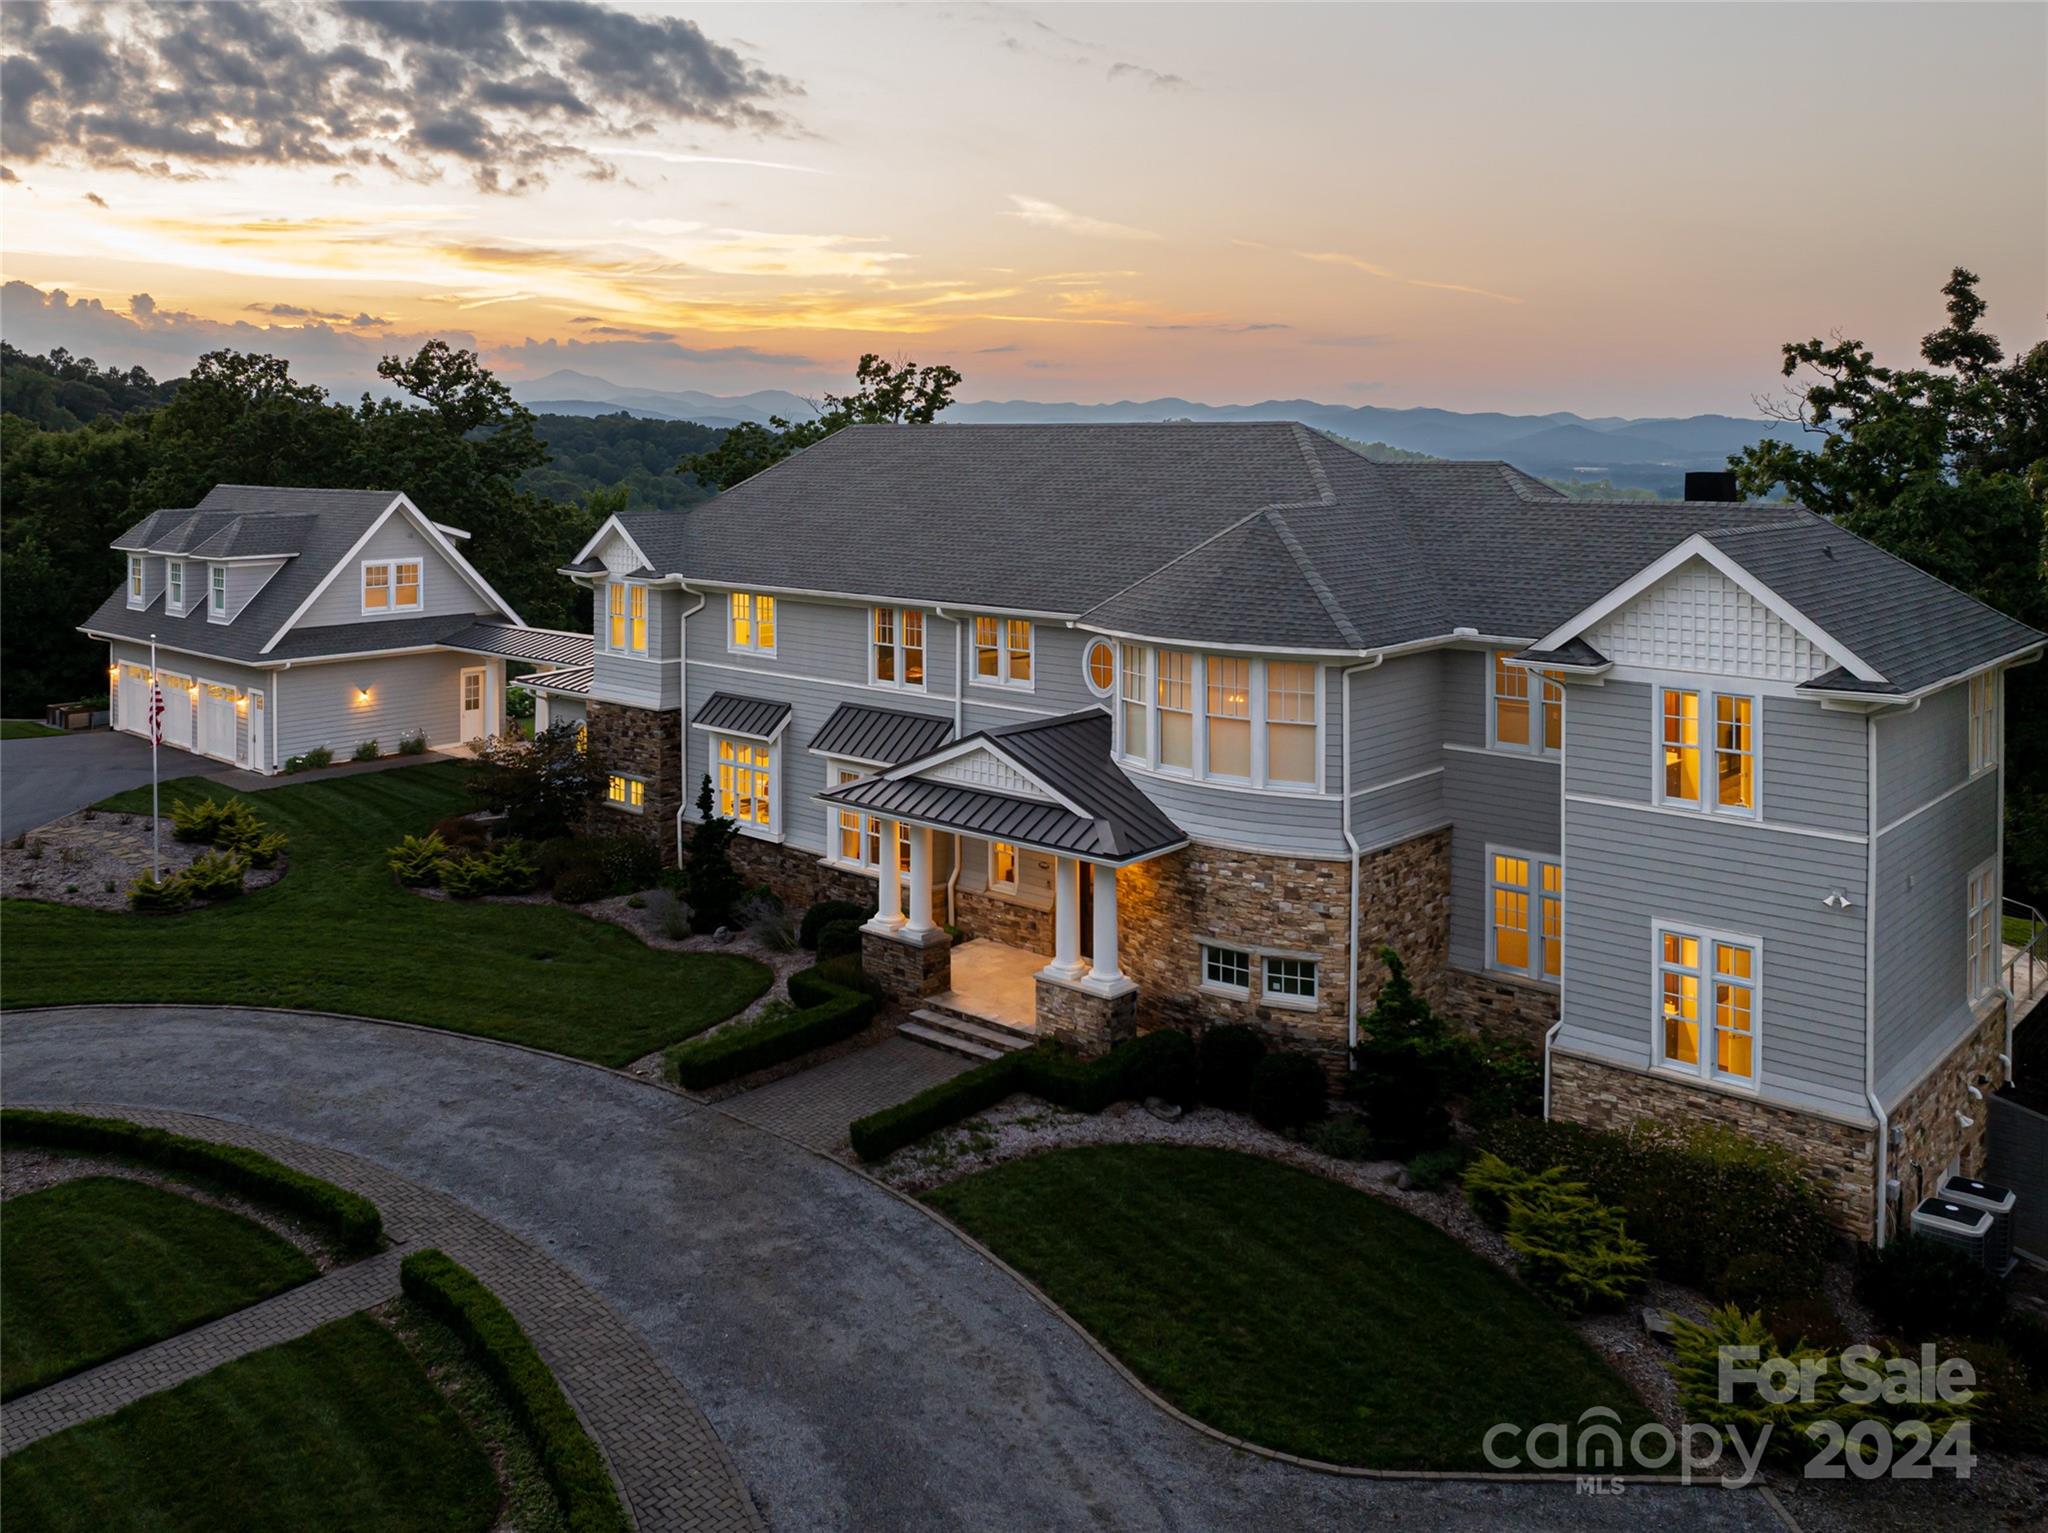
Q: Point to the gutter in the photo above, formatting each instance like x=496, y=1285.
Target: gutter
x=959, y=670
x=1357, y=854
x=683, y=707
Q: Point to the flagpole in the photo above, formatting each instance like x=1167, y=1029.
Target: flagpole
x=156, y=824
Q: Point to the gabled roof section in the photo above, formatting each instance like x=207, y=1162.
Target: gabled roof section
x=879, y=736
x=614, y=526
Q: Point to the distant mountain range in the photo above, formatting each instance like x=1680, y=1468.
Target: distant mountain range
x=1651, y=454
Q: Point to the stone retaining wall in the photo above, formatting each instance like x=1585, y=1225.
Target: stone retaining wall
x=798, y=877
x=907, y=972
x=1496, y=1005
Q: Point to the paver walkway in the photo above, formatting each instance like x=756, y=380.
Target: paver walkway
x=864, y=1367
x=280, y=1318
x=814, y=1106
x=672, y=1471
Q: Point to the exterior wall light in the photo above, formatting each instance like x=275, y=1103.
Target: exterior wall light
x=362, y=695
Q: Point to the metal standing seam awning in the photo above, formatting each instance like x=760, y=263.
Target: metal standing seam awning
x=879, y=737
x=540, y=646
x=1111, y=821
x=745, y=718
x=571, y=682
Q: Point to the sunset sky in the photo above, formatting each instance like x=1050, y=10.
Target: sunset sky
x=1609, y=209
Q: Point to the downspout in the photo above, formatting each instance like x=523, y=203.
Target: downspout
x=1998, y=872
x=959, y=730
x=1357, y=856
x=1884, y=1134
x=276, y=711
x=683, y=707
x=1563, y=805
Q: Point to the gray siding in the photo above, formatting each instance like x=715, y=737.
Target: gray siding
x=1397, y=719
x=316, y=705
x=1922, y=913
x=1626, y=868
x=1610, y=740
x=560, y=710
x=1464, y=694
x=1034, y=873
x=244, y=581
x=443, y=591
x=1303, y=825
x=1815, y=768
x=1922, y=754
x=1500, y=799
x=172, y=662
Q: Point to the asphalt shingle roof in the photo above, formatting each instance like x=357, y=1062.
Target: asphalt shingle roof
x=857, y=732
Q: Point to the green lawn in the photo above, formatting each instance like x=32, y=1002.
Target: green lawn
x=98, y=1267
x=337, y=934
x=1284, y=1308
x=338, y=1429
x=2017, y=931
x=25, y=729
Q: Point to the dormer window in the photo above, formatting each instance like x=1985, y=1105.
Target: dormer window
x=135, y=580
x=217, y=591
x=175, y=584
x=391, y=585
x=626, y=618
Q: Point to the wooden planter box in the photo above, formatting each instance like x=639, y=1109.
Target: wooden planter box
x=69, y=715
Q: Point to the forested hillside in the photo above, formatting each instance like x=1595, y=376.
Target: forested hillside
x=603, y=452
x=61, y=391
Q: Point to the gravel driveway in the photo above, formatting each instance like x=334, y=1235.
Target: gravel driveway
x=865, y=1368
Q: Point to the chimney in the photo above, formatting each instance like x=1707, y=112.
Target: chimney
x=1712, y=484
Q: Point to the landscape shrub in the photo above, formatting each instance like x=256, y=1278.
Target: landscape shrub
x=1491, y=1183
x=2010, y=1411
x=571, y=1462
x=460, y=831
x=1575, y=1250
x=768, y=923
x=264, y=850
x=506, y=867
x=1696, y=1370
x=582, y=868
x=1402, y=1067
x=1433, y=1169
x=545, y=787
x=416, y=860
x=1341, y=1136
x=838, y=938
x=712, y=885
x=1288, y=1092
x=1697, y=1198
x=1756, y=1281
x=822, y=914
x=366, y=751
x=671, y=915
x=150, y=896
x=216, y=876
x=1230, y=1052
x=351, y=1221
x=829, y=1005
x=199, y=820
x=1500, y=1078
x=1807, y=1320
x=1918, y=1288
x=580, y=882
x=313, y=759
x=413, y=744
x=1166, y=1066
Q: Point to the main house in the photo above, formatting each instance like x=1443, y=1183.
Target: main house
x=1182, y=724
x=288, y=620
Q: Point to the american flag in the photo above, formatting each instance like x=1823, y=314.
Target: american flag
x=156, y=714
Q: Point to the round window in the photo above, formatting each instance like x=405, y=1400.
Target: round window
x=1101, y=662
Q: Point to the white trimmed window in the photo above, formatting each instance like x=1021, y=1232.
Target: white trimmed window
x=1002, y=867
x=1525, y=915
x=1707, y=1014
x=1518, y=720
x=1099, y=665
x=217, y=589
x=1227, y=970
x=625, y=618
x=135, y=580
x=174, y=584
x=1714, y=771
x=897, y=652
x=1290, y=982
x=1223, y=718
x=750, y=623
x=1176, y=710
x=1002, y=652
x=1229, y=716
x=1137, y=716
x=746, y=781
x=390, y=585
x=1981, y=930
x=624, y=791
x=1291, y=723
x=856, y=837
x=1983, y=722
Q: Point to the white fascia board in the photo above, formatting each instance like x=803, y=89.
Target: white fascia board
x=463, y=567
x=1698, y=546
x=1832, y=698
x=975, y=743
x=612, y=525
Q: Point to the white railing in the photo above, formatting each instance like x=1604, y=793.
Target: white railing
x=2028, y=965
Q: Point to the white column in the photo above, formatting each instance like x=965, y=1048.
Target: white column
x=1105, y=975
x=920, y=925
x=1066, y=957
x=888, y=914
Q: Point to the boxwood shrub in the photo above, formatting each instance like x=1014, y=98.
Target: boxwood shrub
x=352, y=1221
x=1698, y=1200
x=824, y=913
x=451, y=1293
x=1230, y=1052
x=1289, y=1092
x=831, y=1003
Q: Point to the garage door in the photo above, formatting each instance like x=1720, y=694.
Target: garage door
x=177, y=710
x=216, y=721
x=135, y=699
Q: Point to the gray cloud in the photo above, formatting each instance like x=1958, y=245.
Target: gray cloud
x=997, y=351
x=635, y=346
x=1227, y=329
x=360, y=321
x=1350, y=340
x=1149, y=76
x=507, y=89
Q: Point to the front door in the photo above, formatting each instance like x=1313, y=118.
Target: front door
x=252, y=731
x=471, y=725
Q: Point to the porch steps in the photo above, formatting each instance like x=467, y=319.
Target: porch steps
x=958, y=1035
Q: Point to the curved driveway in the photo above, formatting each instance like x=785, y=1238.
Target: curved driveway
x=865, y=1367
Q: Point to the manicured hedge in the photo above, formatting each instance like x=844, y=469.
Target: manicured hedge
x=1699, y=1201
x=1046, y=1071
x=451, y=1293
x=832, y=1006
x=352, y=1221
x=824, y=913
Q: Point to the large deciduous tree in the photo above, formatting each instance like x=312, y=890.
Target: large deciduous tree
x=1945, y=465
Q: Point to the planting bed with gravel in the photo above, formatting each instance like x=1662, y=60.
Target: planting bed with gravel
x=90, y=857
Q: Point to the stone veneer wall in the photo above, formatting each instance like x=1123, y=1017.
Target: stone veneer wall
x=798, y=877
x=1925, y=1117
x=1494, y=1004
x=1841, y=1156
x=1404, y=902
x=646, y=742
x=907, y=972
x=1090, y=1024
x=1006, y=921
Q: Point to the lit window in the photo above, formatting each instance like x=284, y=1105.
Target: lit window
x=1983, y=722
x=1291, y=722
x=898, y=648
x=1002, y=652
x=376, y=588
x=627, y=793
x=405, y=583
x=1291, y=981
x=1686, y=963
x=1101, y=667
x=1981, y=929
x=135, y=577
x=1176, y=710
x=745, y=782
x=1136, y=714
x=1229, y=716
x=1513, y=726
x=177, y=583
x=1735, y=752
x=1681, y=713
x=615, y=617
x=636, y=608
x=1526, y=915
x=219, y=573
x=1227, y=969
x=1002, y=867
x=582, y=739
x=753, y=623
x=858, y=837
x=1681, y=746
